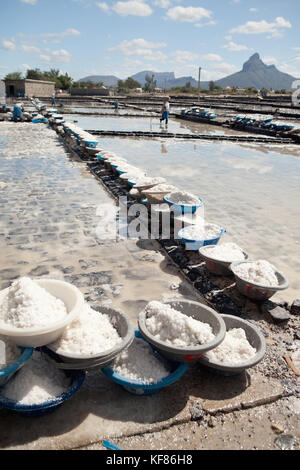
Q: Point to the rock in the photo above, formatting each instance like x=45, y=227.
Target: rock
x=285, y=442
x=297, y=334
x=276, y=428
x=197, y=412
x=9, y=274
x=279, y=314
x=39, y=271
x=295, y=307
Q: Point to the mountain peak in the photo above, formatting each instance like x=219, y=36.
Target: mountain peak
x=254, y=63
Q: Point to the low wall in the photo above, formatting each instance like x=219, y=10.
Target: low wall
x=89, y=92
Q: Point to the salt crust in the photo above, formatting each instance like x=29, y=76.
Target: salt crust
x=258, y=272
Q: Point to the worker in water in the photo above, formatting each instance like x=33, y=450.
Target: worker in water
x=165, y=111
x=18, y=112
x=116, y=104
x=53, y=98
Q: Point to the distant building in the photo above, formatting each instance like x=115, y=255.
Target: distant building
x=27, y=87
x=138, y=90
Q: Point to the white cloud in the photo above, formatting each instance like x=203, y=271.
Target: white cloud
x=67, y=32
x=135, y=46
x=253, y=10
x=260, y=27
x=212, y=57
x=32, y=49
x=29, y=2
x=188, y=14
x=162, y=3
x=270, y=60
x=232, y=46
x=208, y=23
x=8, y=45
x=60, y=55
x=184, y=57
x=103, y=6
x=218, y=70
x=132, y=7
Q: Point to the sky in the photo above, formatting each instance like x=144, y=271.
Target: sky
x=121, y=38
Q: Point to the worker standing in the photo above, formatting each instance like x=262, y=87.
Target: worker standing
x=18, y=112
x=53, y=98
x=165, y=111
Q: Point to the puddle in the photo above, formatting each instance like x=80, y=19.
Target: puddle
x=252, y=192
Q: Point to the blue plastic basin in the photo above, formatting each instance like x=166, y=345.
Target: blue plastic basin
x=50, y=405
x=183, y=209
x=7, y=373
x=139, y=388
x=194, y=245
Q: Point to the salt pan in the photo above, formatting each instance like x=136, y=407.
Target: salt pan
x=174, y=328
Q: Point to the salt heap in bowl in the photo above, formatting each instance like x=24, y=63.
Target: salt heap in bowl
x=28, y=305
x=89, y=334
x=9, y=354
x=201, y=231
x=37, y=382
x=174, y=328
x=183, y=198
x=259, y=272
x=234, y=349
x=226, y=252
x=139, y=363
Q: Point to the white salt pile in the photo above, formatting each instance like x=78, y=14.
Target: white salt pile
x=202, y=231
x=160, y=188
x=27, y=305
x=9, y=352
x=174, y=328
x=139, y=363
x=226, y=252
x=183, y=198
x=234, y=349
x=258, y=272
x=37, y=382
x=141, y=181
x=90, y=333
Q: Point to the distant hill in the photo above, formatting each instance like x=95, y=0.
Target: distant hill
x=107, y=80
x=162, y=78
x=259, y=75
x=253, y=74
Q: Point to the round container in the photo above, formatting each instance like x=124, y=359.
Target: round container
x=39, y=336
x=143, y=186
x=74, y=361
x=183, y=208
x=90, y=143
x=198, y=312
x=255, y=338
x=258, y=292
x=77, y=379
x=139, y=388
x=195, y=245
x=214, y=265
x=7, y=373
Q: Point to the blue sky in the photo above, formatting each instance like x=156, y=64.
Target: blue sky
x=84, y=37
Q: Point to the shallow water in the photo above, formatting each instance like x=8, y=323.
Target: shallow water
x=252, y=191
x=146, y=125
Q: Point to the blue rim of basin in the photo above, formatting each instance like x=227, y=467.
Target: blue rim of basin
x=184, y=208
x=77, y=379
x=207, y=241
x=26, y=354
x=176, y=374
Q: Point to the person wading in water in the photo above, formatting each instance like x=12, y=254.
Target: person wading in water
x=165, y=111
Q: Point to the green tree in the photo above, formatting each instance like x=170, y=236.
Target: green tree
x=35, y=74
x=211, y=85
x=150, y=83
x=131, y=84
x=14, y=76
